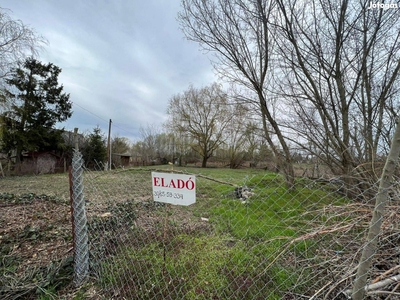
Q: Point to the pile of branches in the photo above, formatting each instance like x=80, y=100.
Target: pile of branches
x=36, y=280
x=338, y=246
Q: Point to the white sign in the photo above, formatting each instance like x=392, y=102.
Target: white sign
x=177, y=189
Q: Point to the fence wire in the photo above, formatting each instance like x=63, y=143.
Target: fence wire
x=246, y=237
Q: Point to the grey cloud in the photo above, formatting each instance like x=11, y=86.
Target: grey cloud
x=120, y=59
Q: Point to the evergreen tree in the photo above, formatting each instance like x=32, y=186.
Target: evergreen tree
x=95, y=152
x=37, y=105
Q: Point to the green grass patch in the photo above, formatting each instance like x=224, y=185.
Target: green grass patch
x=247, y=255
x=202, y=267
x=271, y=212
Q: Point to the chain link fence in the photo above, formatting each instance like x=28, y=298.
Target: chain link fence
x=246, y=237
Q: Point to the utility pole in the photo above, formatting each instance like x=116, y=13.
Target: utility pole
x=109, y=147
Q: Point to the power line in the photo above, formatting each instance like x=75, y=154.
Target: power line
x=101, y=118
x=124, y=129
x=89, y=111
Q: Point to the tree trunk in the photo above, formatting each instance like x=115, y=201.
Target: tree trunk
x=289, y=173
x=377, y=218
x=204, y=162
x=284, y=160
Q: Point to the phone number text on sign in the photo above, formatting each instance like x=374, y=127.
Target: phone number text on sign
x=178, y=189
x=159, y=194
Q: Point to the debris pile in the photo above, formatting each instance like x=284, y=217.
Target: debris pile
x=243, y=193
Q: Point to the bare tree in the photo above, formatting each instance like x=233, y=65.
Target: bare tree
x=339, y=71
x=239, y=128
x=238, y=33
x=17, y=42
x=120, y=145
x=181, y=142
x=202, y=113
x=148, y=145
x=165, y=147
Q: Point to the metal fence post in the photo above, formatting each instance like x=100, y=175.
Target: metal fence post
x=81, y=248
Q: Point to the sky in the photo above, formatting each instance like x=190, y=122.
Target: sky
x=121, y=59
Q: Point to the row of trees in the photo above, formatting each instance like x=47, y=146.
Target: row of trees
x=236, y=146
x=207, y=121
x=319, y=75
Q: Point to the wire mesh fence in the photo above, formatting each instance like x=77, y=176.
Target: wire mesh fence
x=246, y=237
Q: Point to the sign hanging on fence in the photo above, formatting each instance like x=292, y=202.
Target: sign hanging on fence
x=177, y=189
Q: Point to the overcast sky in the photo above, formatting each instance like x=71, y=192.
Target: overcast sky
x=120, y=59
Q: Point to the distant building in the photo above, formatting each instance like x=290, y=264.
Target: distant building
x=121, y=159
x=44, y=162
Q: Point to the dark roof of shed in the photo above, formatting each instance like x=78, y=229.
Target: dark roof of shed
x=124, y=154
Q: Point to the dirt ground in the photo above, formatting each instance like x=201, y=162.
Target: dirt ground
x=35, y=241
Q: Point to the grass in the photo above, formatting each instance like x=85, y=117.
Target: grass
x=201, y=267
x=243, y=251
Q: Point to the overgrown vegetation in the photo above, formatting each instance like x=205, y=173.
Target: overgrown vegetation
x=236, y=253
x=275, y=245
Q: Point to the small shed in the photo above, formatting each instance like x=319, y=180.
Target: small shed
x=40, y=162
x=122, y=159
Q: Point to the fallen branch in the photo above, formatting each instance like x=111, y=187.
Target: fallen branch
x=349, y=275
x=393, y=291
x=383, y=275
x=199, y=175
x=325, y=231
x=375, y=286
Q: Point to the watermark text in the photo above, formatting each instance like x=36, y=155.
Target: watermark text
x=380, y=5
